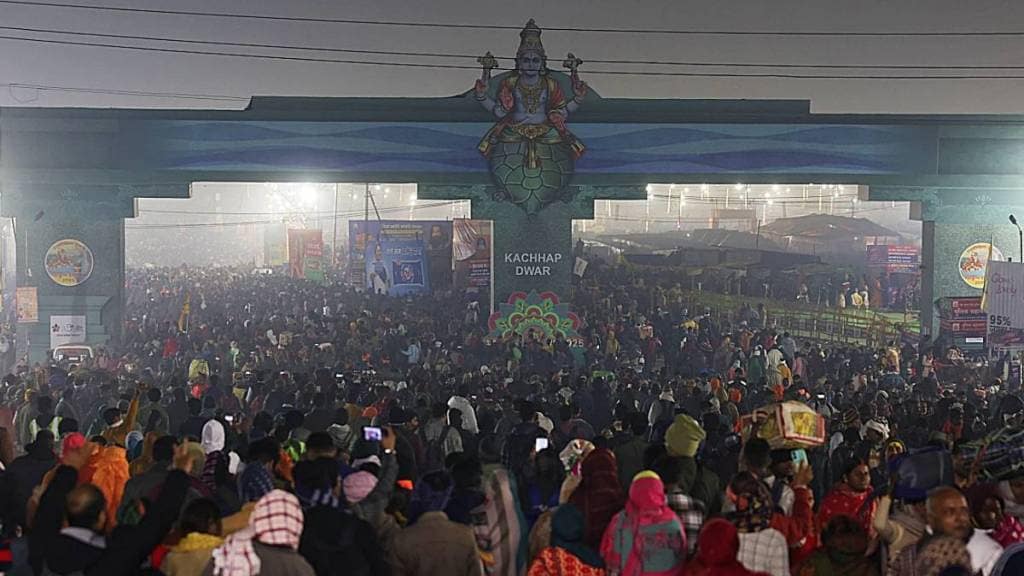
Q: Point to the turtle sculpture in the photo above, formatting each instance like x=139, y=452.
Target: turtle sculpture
x=531, y=153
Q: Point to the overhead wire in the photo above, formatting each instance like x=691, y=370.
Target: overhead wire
x=451, y=55
x=478, y=26
x=431, y=65
x=119, y=92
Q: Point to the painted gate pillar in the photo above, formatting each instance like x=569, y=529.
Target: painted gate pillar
x=957, y=225
x=531, y=155
x=70, y=248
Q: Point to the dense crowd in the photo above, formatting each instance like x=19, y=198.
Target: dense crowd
x=280, y=427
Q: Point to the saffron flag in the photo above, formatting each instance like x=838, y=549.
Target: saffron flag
x=186, y=311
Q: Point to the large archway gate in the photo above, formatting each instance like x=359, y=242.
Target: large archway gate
x=74, y=174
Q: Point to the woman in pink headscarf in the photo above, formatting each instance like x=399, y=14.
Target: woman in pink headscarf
x=645, y=539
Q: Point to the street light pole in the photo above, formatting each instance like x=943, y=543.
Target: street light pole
x=1020, y=237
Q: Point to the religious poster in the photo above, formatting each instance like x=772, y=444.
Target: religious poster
x=305, y=254
x=68, y=262
x=973, y=261
x=66, y=330
x=579, y=268
x=472, y=249
x=27, y=304
x=400, y=257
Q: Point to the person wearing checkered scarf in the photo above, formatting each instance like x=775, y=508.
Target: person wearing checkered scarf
x=270, y=543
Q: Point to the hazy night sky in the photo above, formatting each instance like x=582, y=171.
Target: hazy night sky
x=23, y=62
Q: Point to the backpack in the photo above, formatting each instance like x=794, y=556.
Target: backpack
x=435, y=451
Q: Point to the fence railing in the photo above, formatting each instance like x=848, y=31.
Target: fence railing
x=807, y=322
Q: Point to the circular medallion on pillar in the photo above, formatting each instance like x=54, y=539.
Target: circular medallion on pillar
x=974, y=262
x=68, y=262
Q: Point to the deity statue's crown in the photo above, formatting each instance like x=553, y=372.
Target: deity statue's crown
x=529, y=40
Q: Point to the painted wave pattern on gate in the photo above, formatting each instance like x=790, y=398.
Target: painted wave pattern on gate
x=611, y=148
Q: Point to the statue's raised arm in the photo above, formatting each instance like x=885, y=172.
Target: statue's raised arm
x=488, y=62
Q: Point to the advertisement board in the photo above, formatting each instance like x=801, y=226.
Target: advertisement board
x=66, y=330
x=1003, y=302
x=895, y=258
x=305, y=254
x=473, y=252
x=275, y=245
x=27, y=304
x=400, y=257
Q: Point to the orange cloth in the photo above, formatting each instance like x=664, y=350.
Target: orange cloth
x=107, y=469
x=558, y=562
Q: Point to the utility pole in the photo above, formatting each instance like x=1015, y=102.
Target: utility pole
x=334, y=233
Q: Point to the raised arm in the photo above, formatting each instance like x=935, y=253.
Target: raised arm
x=490, y=104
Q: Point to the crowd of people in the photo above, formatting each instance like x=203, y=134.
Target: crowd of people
x=275, y=426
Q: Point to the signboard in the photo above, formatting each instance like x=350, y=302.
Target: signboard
x=305, y=254
x=974, y=261
x=962, y=320
x=66, y=330
x=895, y=258
x=27, y=304
x=1003, y=301
x=400, y=257
x=68, y=262
x=580, y=267
x=275, y=245
x=473, y=253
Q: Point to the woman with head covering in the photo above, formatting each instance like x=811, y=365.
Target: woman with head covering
x=268, y=546
x=646, y=538
x=599, y=495
x=213, y=437
x=717, y=549
x=762, y=548
x=843, y=554
x=333, y=539
x=566, y=554
x=200, y=527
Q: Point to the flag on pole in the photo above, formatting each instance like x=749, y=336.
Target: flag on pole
x=186, y=310
x=988, y=270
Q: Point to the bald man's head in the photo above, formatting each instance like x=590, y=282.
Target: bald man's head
x=948, y=513
x=86, y=508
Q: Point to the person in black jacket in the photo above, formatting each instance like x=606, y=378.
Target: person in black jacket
x=334, y=541
x=81, y=548
x=23, y=475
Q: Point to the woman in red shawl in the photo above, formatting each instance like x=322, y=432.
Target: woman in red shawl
x=850, y=498
x=717, y=548
x=599, y=494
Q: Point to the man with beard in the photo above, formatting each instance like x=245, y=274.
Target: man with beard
x=949, y=515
